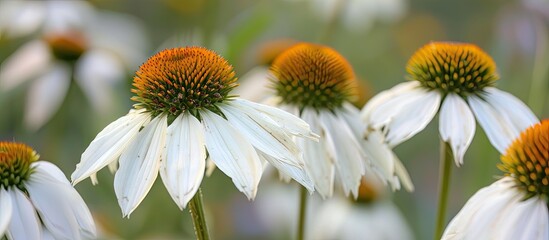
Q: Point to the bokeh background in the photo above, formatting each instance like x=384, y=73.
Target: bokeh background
x=376, y=36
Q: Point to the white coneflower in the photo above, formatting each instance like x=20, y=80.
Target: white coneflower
x=461, y=77
x=71, y=41
x=317, y=83
x=37, y=199
x=185, y=114
x=514, y=207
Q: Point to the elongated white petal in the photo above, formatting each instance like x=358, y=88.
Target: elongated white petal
x=263, y=135
x=139, y=165
x=183, y=168
x=406, y=114
x=288, y=171
x=6, y=206
x=347, y=151
x=109, y=144
x=457, y=125
x=232, y=153
x=27, y=62
x=319, y=162
x=61, y=208
x=352, y=116
x=499, y=211
x=291, y=123
x=58, y=204
x=18, y=18
x=384, y=96
x=502, y=116
x=24, y=223
x=385, y=163
x=527, y=220
x=95, y=72
x=104, y=30
x=46, y=95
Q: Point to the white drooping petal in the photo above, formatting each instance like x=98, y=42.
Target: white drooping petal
x=288, y=172
x=385, y=163
x=319, y=162
x=232, y=153
x=456, y=125
x=139, y=165
x=96, y=72
x=65, y=16
x=109, y=144
x=24, y=223
x=405, y=114
x=294, y=125
x=183, y=168
x=347, y=151
x=384, y=96
x=19, y=18
x=270, y=139
x=528, y=220
x=104, y=33
x=60, y=207
x=500, y=211
x=29, y=61
x=502, y=116
x=46, y=95
x=6, y=206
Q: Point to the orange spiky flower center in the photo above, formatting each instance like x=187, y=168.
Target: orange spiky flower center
x=452, y=67
x=183, y=79
x=15, y=164
x=309, y=75
x=68, y=46
x=527, y=160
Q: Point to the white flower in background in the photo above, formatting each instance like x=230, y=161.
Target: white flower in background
x=71, y=40
x=36, y=199
x=317, y=83
x=359, y=15
x=461, y=77
x=371, y=216
x=514, y=207
x=185, y=114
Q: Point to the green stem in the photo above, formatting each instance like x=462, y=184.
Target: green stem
x=538, y=86
x=302, y=211
x=196, y=209
x=446, y=161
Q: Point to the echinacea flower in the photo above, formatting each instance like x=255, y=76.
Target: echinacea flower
x=73, y=43
x=514, y=207
x=184, y=115
x=317, y=83
x=461, y=78
x=36, y=199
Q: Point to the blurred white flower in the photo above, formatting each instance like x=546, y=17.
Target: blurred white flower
x=360, y=15
x=514, y=207
x=461, y=76
x=184, y=114
x=71, y=40
x=36, y=199
x=317, y=83
x=371, y=216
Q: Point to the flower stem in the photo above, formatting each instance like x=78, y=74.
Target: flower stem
x=446, y=161
x=196, y=209
x=302, y=211
x=540, y=78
